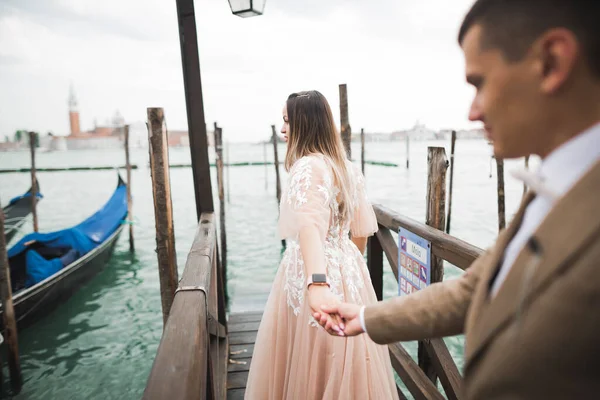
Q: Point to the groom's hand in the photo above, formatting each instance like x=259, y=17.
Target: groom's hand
x=349, y=314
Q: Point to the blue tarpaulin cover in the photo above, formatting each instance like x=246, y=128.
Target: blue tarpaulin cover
x=78, y=240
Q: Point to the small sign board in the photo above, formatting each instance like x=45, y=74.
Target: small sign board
x=414, y=257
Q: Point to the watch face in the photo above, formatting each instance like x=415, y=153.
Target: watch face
x=319, y=278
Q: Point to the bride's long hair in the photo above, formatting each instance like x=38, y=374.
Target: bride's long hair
x=313, y=131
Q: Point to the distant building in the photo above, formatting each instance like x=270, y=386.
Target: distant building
x=112, y=134
x=182, y=138
x=178, y=138
x=9, y=146
x=417, y=132
x=101, y=137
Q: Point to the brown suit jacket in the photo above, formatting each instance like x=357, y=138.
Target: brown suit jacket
x=539, y=337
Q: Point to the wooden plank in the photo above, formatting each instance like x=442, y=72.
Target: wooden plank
x=415, y=380
x=451, y=249
x=239, y=364
x=223, y=364
x=237, y=380
x=180, y=367
x=241, y=351
x=445, y=367
x=243, y=326
x=242, y=338
x=236, y=394
x=250, y=316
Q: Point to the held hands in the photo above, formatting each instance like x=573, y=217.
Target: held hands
x=318, y=295
x=346, y=312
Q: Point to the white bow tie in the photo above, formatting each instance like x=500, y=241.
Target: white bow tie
x=535, y=183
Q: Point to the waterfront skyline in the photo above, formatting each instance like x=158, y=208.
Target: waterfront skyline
x=401, y=63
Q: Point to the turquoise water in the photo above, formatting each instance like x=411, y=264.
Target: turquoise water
x=101, y=343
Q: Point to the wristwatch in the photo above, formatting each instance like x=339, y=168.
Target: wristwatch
x=317, y=280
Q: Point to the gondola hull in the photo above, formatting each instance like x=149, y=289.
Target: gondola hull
x=37, y=301
x=47, y=268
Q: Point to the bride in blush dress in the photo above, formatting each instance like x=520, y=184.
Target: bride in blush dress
x=324, y=202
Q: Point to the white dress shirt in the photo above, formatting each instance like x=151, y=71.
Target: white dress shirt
x=559, y=172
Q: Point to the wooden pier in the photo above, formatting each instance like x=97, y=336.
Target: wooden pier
x=242, y=335
x=204, y=354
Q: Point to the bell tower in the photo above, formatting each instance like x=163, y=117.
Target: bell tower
x=73, y=113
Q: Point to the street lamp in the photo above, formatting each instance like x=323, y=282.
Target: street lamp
x=247, y=8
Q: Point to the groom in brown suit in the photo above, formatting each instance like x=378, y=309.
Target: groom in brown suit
x=530, y=305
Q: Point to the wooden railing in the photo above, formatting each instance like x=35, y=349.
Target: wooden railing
x=191, y=361
x=449, y=248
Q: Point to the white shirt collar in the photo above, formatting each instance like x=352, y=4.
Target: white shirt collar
x=562, y=168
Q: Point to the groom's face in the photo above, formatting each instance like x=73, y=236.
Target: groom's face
x=505, y=99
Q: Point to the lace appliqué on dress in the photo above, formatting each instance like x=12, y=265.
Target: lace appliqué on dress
x=341, y=255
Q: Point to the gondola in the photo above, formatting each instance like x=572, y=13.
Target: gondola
x=16, y=212
x=46, y=268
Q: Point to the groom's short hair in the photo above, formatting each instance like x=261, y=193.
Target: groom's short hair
x=513, y=25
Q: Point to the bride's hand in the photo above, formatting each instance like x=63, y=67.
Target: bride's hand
x=319, y=296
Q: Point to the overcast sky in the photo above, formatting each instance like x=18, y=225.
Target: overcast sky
x=399, y=59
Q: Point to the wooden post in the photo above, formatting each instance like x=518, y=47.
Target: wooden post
x=129, y=200
x=10, y=324
x=345, y=120
x=453, y=142
x=526, y=167
x=34, y=188
x=501, y=203
x=437, y=164
x=375, y=265
x=362, y=150
x=227, y=173
x=266, y=165
x=194, y=103
x=163, y=208
x=276, y=161
x=436, y=201
x=221, y=186
x=407, y=151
